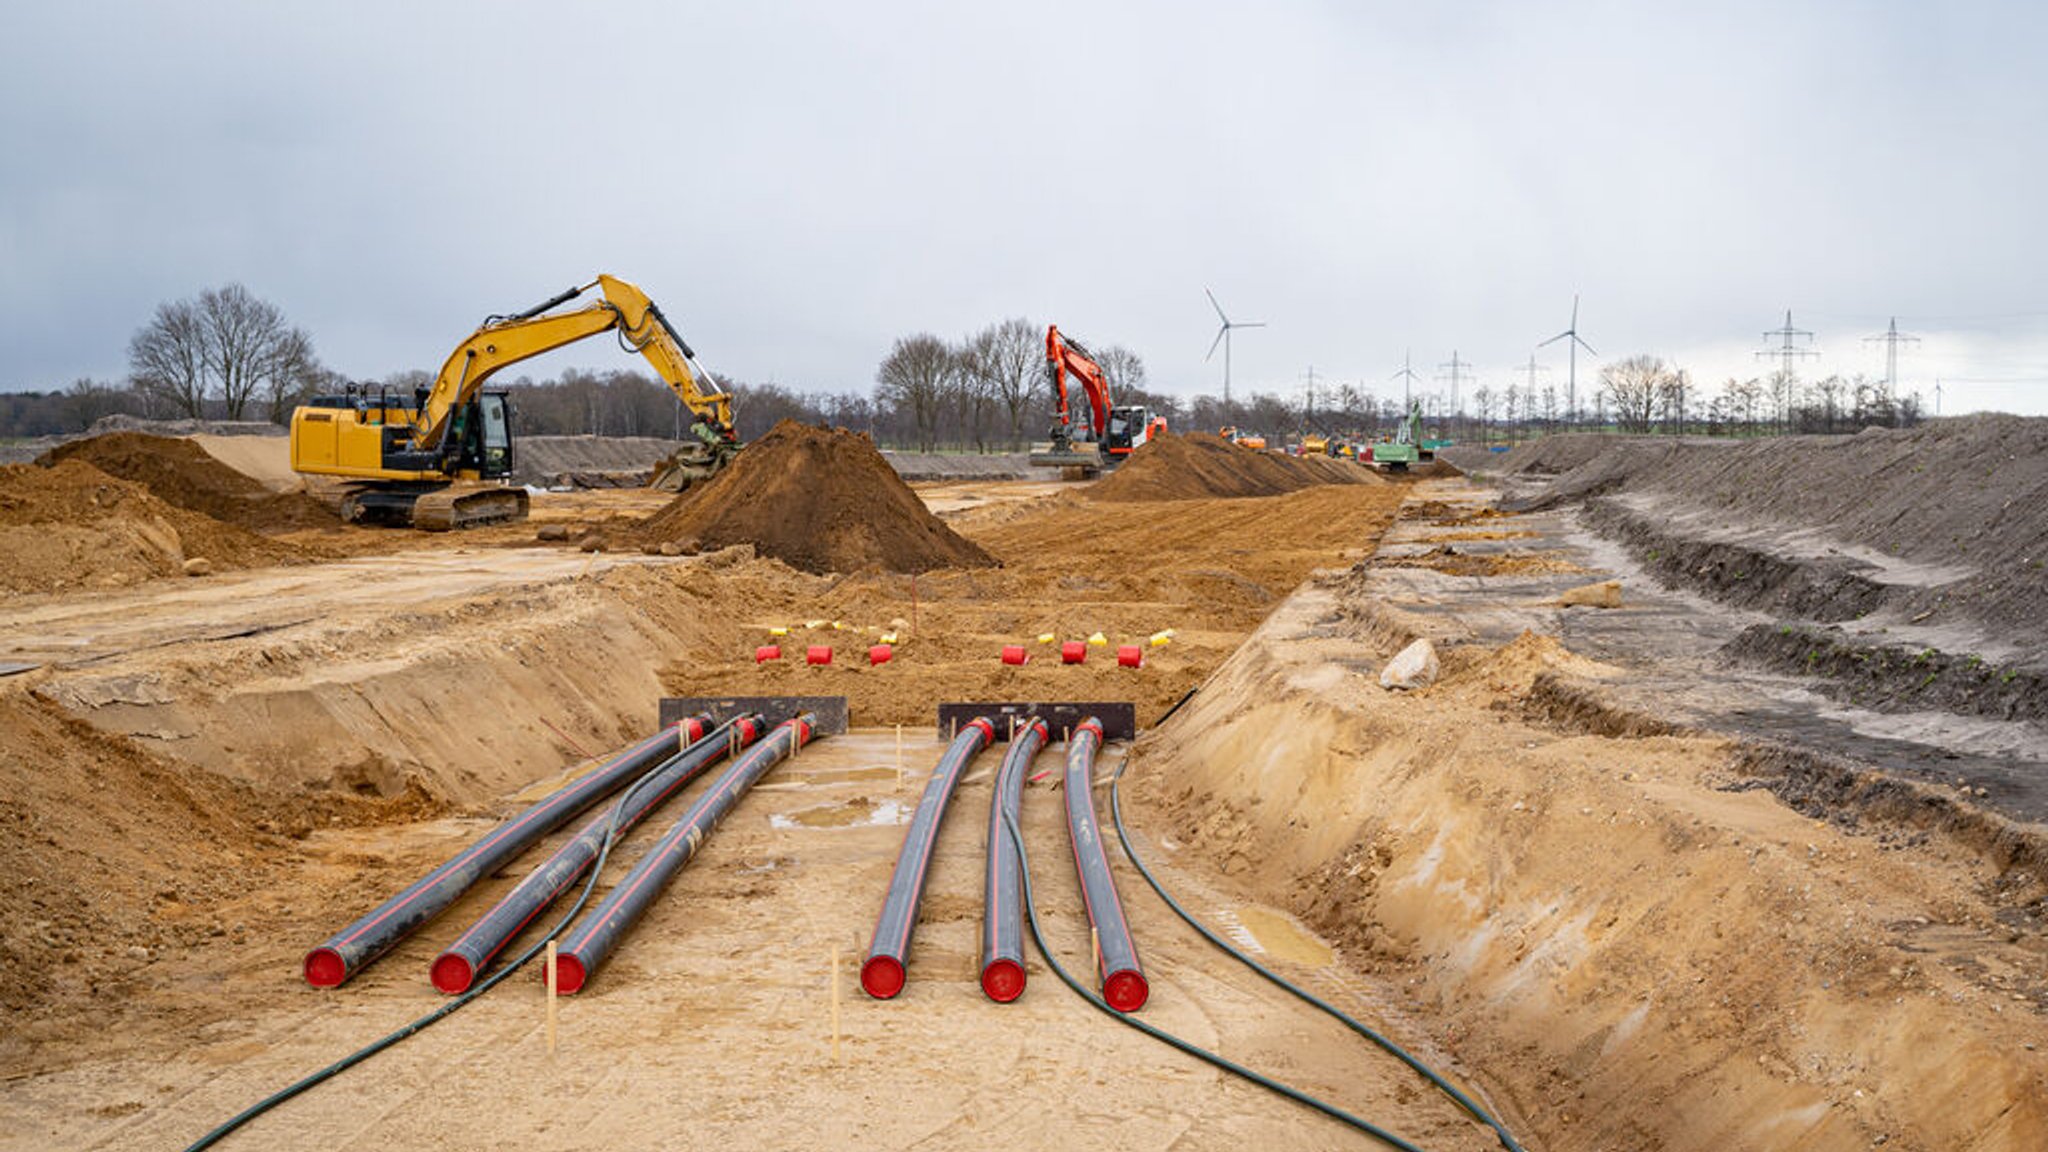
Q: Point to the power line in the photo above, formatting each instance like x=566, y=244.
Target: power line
x=1789, y=351
x=1891, y=338
x=1457, y=367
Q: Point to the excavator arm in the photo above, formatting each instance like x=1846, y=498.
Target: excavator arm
x=1066, y=357
x=506, y=340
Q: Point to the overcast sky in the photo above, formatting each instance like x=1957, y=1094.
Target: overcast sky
x=800, y=184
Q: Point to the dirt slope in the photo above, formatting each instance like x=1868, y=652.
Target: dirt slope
x=72, y=526
x=182, y=473
x=1647, y=954
x=1203, y=465
x=1967, y=497
x=822, y=500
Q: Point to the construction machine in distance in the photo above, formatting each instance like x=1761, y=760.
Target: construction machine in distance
x=1108, y=433
x=1406, y=447
x=1251, y=440
x=440, y=458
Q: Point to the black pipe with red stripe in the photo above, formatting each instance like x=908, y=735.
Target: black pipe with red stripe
x=882, y=972
x=1116, y=955
x=454, y=969
x=1002, y=925
x=593, y=941
x=361, y=943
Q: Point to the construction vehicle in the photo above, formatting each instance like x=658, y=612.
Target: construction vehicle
x=1315, y=444
x=1084, y=446
x=440, y=458
x=1406, y=447
x=1251, y=440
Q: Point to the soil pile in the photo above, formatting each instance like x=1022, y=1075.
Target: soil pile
x=1206, y=466
x=181, y=472
x=72, y=525
x=818, y=499
x=1967, y=497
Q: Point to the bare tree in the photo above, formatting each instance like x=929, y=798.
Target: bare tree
x=167, y=358
x=226, y=345
x=1124, y=368
x=1482, y=402
x=1633, y=387
x=1672, y=393
x=914, y=377
x=1009, y=360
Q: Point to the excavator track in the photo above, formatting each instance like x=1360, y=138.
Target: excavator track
x=460, y=506
x=433, y=508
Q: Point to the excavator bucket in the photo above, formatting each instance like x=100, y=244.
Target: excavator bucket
x=690, y=463
x=1085, y=459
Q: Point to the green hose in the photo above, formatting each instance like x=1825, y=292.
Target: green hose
x=1168, y=1038
x=1116, y=810
x=314, y=1079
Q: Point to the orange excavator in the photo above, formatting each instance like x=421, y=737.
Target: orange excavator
x=1108, y=434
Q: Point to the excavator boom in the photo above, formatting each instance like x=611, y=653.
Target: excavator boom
x=439, y=459
x=506, y=340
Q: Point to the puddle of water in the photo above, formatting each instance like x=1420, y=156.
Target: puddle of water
x=1277, y=936
x=859, y=813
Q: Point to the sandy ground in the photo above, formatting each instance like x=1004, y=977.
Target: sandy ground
x=714, y=1026
x=1610, y=936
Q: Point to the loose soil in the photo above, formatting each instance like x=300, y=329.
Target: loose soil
x=1204, y=465
x=72, y=526
x=1614, y=930
x=1949, y=519
x=1892, y=677
x=820, y=500
x=182, y=473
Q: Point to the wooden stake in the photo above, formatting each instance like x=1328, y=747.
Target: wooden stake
x=835, y=1003
x=1095, y=946
x=553, y=1000
x=899, y=757
x=955, y=729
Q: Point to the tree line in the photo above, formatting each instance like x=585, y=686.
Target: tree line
x=227, y=354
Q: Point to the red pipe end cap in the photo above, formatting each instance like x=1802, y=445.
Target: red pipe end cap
x=325, y=968
x=1003, y=981
x=451, y=973
x=882, y=977
x=818, y=654
x=767, y=652
x=1074, y=652
x=1126, y=991
x=569, y=975
x=1130, y=656
x=880, y=654
x=1015, y=654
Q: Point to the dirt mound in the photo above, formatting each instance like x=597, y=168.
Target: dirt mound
x=72, y=525
x=1966, y=498
x=818, y=499
x=1203, y=465
x=182, y=473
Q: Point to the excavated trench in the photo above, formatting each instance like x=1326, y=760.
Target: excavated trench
x=1627, y=932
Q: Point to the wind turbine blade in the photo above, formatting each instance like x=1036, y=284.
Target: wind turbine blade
x=1583, y=344
x=1250, y=324
x=1220, y=332
x=1560, y=336
x=1217, y=307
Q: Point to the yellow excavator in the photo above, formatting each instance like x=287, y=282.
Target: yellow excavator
x=440, y=457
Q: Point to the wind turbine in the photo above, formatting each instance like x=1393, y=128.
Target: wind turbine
x=1571, y=389
x=1223, y=338
x=1407, y=377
